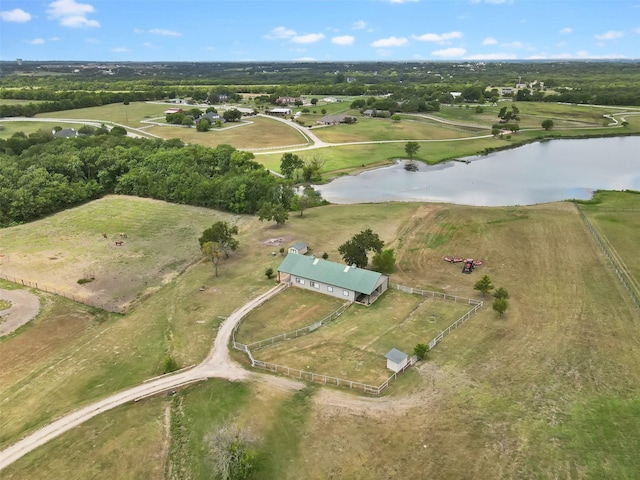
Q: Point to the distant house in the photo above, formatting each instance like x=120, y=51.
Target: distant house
x=280, y=111
x=331, y=100
x=213, y=117
x=456, y=94
x=506, y=91
x=342, y=281
x=396, y=360
x=288, y=100
x=336, y=119
x=299, y=247
x=170, y=111
x=377, y=113
x=65, y=133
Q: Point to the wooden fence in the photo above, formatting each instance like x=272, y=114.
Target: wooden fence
x=342, y=382
x=289, y=335
x=623, y=276
x=70, y=296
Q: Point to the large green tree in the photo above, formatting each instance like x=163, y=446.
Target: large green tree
x=223, y=234
x=355, y=251
x=289, y=163
x=384, y=261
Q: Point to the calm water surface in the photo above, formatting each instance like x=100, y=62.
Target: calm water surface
x=537, y=173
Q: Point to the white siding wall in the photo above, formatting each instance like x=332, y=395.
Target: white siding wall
x=323, y=288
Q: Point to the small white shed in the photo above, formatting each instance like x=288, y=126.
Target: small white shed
x=299, y=247
x=396, y=360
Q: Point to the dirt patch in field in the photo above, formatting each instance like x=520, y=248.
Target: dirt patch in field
x=24, y=307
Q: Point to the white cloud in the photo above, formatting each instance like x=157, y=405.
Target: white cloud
x=610, y=35
x=636, y=30
x=390, y=42
x=309, y=38
x=343, y=40
x=435, y=37
x=78, y=21
x=566, y=30
x=513, y=45
x=359, y=25
x=54, y=39
x=16, y=15
x=489, y=41
x=164, y=32
x=280, y=32
x=36, y=41
x=120, y=49
x=449, y=52
x=148, y=45
x=72, y=14
x=305, y=59
x=93, y=41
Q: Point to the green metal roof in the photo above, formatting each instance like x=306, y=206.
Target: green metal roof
x=343, y=276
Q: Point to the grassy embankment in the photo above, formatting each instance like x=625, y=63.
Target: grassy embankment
x=550, y=390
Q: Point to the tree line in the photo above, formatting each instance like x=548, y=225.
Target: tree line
x=40, y=175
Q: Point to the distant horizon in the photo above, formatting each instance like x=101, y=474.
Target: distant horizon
x=540, y=60
x=250, y=31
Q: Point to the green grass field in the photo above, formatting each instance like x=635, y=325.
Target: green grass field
x=260, y=133
x=129, y=115
x=353, y=346
x=376, y=129
x=292, y=309
x=548, y=391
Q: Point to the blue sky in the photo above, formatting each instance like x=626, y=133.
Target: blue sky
x=318, y=30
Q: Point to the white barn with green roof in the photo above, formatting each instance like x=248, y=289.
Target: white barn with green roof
x=342, y=281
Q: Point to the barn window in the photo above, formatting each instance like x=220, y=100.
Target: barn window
x=300, y=280
x=315, y=284
x=329, y=289
x=345, y=293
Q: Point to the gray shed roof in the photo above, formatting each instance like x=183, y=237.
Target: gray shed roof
x=299, y=246
x=339, y=275
x=396, y=356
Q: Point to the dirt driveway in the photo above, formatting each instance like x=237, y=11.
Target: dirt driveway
x=24, y=306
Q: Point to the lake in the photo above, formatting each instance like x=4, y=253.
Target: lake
x=540, y=172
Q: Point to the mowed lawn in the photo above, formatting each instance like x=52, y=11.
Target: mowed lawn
x=380, y=129
x=617, y=218
x=10, y=128
x=257, y=133
x=341, y=160
x=291, y=309
x=353, y=346
x=129, y=115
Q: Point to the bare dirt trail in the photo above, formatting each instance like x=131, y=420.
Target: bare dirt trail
x=24, y=307
x=218, y=364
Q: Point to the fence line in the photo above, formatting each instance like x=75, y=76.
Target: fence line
x=70, y=296
x=294, y=334
x=622, y=275
x=429, y=293
x=342, y=382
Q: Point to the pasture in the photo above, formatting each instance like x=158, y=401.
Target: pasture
x=292, y=309
x=10, y=128
x=128, y=115
x=258, y=133
x=382, y=129
x=547, y=391
x=353, y=346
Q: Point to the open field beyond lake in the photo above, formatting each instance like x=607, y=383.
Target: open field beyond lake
x=547, y=391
